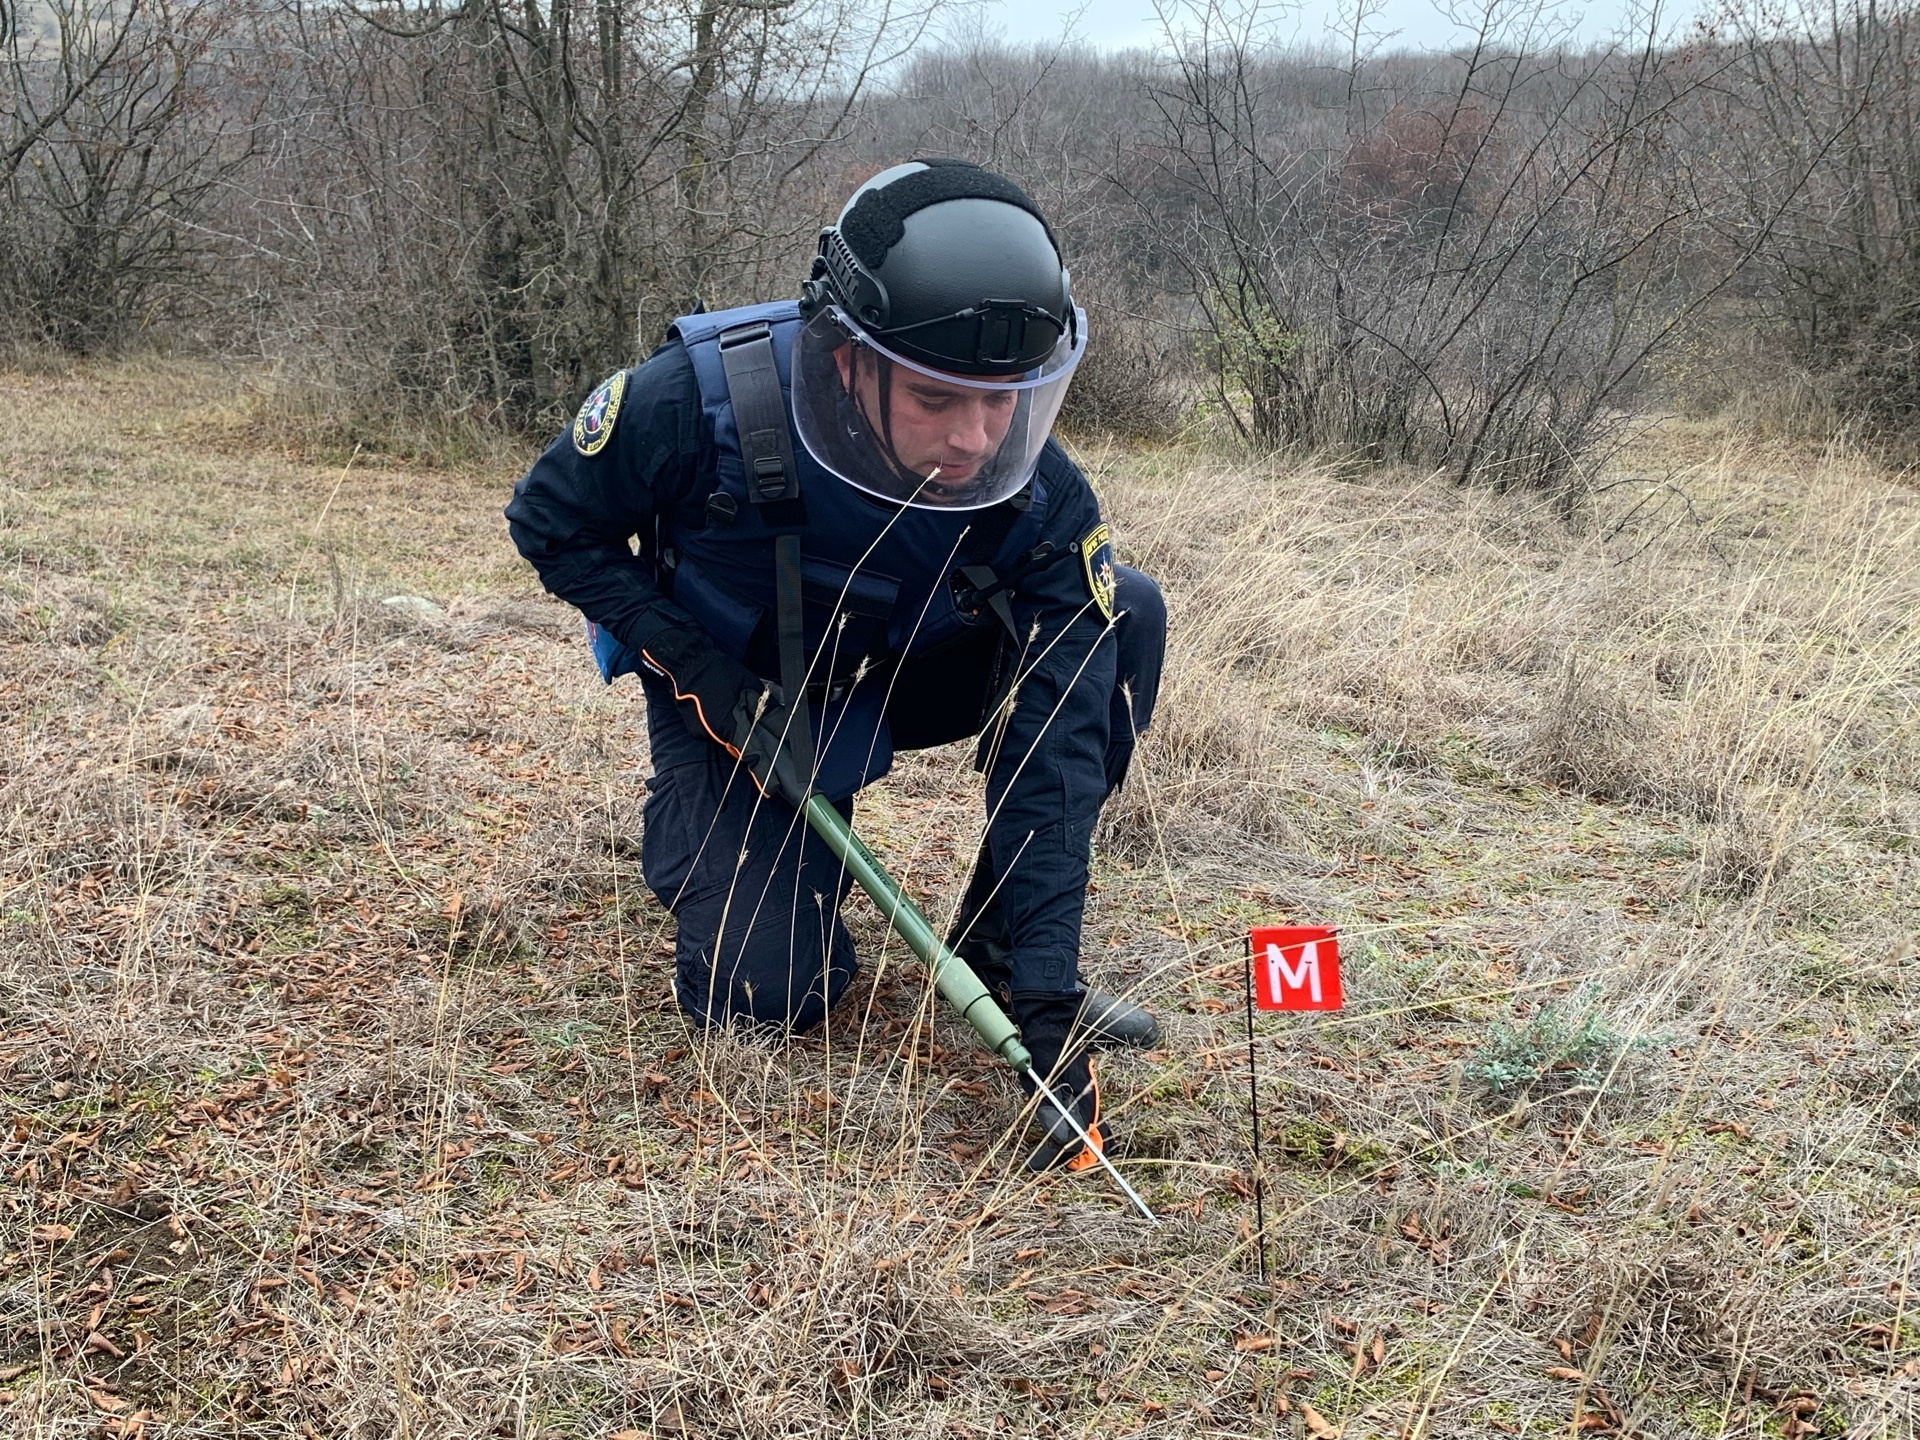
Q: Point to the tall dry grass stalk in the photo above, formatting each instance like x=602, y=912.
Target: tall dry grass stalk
x=347, y=1095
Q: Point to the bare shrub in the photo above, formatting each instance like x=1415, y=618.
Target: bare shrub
x=1465, y=264
x=478, y=216
x=119, y=126
x=1816, y=114
x=1133, y=381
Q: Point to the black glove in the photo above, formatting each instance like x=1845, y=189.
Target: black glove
x=765, y=745
x=723, y=701
x=1060, y=1057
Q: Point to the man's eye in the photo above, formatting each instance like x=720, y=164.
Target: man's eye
x=932, y=402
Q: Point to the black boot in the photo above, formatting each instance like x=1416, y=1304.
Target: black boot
x=1111, y=1023
x=1049, y=1027
x=980, y=938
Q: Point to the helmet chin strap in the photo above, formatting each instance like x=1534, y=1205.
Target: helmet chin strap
x=883, y=429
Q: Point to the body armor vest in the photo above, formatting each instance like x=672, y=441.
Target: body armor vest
x=876, y=577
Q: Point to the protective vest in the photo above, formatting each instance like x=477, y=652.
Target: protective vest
x=878, y=580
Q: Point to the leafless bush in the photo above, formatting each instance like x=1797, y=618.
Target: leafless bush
x=1464, y=262
x=483, y=211
x=1585, y=735
x=1817, y=117
x=113, y=148
x=1744, y=856
x=1134, y=380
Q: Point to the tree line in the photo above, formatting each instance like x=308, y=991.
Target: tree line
x=1480, y=260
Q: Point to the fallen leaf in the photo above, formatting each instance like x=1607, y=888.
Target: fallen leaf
x=1249, y=1344
x=52, y=1234
x=1316, y=1424
x=1565, y=1372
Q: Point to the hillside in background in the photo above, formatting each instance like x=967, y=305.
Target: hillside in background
x=345, y=1093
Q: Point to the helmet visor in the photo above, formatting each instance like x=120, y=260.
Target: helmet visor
x=919, y=436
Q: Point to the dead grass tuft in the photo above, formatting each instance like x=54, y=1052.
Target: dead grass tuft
x=1743, y=858
x=1586, y=736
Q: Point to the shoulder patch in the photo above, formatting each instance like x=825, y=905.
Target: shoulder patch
x=593, y=426
x=1096, y=557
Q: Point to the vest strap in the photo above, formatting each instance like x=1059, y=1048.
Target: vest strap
x=789, y=617
x=773, y=480
x=760, y=412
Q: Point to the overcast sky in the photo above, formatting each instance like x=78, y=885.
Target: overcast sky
x=1412, y=24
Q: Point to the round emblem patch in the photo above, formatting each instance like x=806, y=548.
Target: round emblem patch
x=593, y=426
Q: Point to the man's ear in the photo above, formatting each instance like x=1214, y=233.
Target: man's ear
x=843, y=358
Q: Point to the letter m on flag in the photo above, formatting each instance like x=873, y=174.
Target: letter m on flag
x=1296, y=967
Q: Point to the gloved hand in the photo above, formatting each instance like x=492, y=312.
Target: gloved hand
x=765, y=746
x=1060, y=1057
x=723, y=701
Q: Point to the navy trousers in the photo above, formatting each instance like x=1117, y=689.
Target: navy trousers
x=756, y=894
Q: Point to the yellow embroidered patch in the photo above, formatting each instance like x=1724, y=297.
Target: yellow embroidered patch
x=593, y=426
x=1096, y=555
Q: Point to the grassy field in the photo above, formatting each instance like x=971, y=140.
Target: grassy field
x=345, y=1094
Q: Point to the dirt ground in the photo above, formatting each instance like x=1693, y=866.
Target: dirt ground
x=345, y=1094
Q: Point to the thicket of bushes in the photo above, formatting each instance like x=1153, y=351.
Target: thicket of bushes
x=1465, y=261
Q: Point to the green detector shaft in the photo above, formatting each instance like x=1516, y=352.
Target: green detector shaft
x=952, y=975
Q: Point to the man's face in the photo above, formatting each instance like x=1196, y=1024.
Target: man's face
x=932, y=424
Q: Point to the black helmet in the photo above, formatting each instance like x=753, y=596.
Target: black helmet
x=948, y=264
x=940, y=338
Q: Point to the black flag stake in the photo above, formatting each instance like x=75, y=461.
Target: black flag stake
x=1253, y=1106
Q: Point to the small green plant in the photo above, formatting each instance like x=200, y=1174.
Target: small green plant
x=1551, y=1052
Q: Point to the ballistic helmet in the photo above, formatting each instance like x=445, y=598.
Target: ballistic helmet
x=939, y=291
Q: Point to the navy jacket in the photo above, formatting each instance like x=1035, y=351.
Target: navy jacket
x=577, y=517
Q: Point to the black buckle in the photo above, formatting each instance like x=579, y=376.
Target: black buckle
x=745, y=334
x=828, y=691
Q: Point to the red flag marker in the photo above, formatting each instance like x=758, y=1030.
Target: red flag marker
x=1296, y=967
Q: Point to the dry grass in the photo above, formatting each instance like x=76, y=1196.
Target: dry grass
x=347, y=1097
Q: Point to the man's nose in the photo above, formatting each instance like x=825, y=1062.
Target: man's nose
x=969, y=431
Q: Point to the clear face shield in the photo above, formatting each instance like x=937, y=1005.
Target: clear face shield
x=917, y=436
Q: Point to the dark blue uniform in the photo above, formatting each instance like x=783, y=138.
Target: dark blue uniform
x=896, y=664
